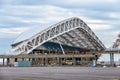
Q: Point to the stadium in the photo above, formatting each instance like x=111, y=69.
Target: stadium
x=69, y=42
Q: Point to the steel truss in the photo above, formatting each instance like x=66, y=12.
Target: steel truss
x=72, y=31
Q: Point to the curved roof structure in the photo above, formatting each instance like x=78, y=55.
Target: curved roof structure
x=71, y=32
x=31, y=32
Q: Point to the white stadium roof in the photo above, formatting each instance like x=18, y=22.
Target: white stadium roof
x=71, y=32
x=30, y=32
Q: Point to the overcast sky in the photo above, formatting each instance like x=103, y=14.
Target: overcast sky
x=17, y=16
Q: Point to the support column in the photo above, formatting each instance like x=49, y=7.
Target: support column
x=82, y=61
x=111, y=59
x=33, y=61
x=46, y=61
x=23, y=59
x=8, y=61
x=42, y=61
x=58, y=61
x=16, y=60
x=29, y=59
x=74, y=60
x=39, y=61
x=3, y=61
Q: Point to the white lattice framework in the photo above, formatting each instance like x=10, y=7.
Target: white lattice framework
x=72, y=32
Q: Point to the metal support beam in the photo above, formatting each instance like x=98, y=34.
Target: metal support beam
x=61, y=46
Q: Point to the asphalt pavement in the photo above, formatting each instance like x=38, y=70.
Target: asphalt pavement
x=59, y=73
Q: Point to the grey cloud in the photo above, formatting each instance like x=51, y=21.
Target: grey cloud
x=91, y=5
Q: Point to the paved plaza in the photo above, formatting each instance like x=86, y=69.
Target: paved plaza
x=59, y=73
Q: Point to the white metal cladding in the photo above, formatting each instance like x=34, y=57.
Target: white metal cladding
x=72, y=31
